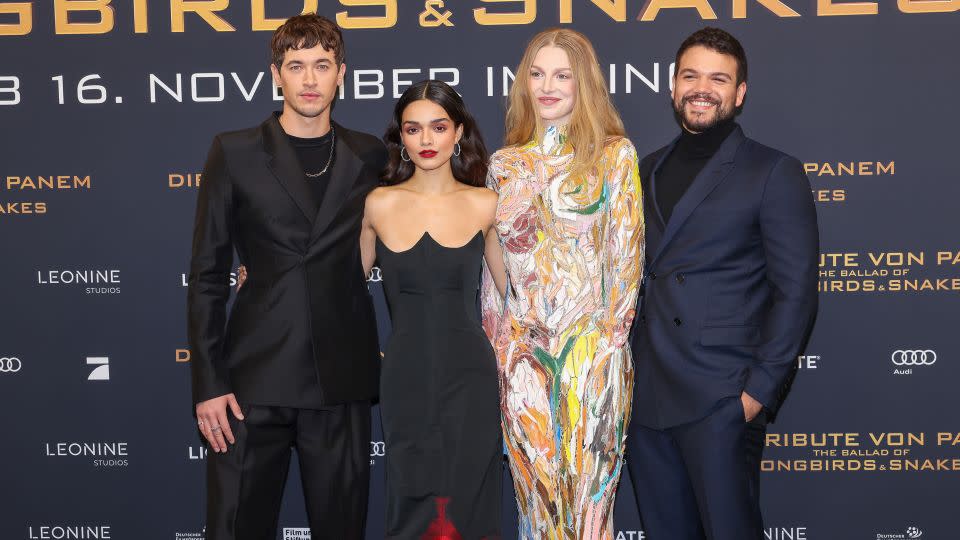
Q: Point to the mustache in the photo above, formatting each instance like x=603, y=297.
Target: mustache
x=700, y=96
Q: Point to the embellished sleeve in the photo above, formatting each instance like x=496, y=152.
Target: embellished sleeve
x=491, y=303
x=623, y=256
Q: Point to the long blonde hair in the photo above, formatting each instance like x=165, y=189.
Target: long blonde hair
x=594, y=120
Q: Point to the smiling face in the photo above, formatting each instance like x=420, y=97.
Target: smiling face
x=428, y=134
x=309, y=79
x=705, y=90
x=552, y=85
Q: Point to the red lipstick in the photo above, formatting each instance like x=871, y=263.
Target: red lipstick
x=427, y=154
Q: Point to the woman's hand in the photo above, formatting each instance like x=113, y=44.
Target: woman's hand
x=241, y=276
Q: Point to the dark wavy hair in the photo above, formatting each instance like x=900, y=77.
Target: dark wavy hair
x=305, y=32
x=470, y=167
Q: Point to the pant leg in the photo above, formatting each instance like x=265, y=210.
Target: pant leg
x=755, y=439
x=665, y=498
x=245, y=484
x=722, y=453
x=333, y=446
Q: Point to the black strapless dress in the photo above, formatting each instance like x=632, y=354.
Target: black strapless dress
x=439, y=396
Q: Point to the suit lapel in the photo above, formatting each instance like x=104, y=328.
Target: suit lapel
x=283, y=163
x=346, y=168
x=653, y=183
x=715, y=170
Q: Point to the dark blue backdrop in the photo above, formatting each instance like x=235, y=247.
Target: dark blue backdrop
x=98, y=191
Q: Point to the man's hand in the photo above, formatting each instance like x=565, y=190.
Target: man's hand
x=751, y=407
x=212, y=420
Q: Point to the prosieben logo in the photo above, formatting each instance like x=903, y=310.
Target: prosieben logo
x=101, y=371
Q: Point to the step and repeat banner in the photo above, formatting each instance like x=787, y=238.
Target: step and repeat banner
x=107, y=109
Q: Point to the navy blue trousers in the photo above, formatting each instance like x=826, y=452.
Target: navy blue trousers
x=700, y=481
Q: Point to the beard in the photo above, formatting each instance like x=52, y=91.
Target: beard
x=699, y=122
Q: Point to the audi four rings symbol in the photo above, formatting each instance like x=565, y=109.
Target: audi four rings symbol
x=914, y=357
x=378, y=448
x=10, y=365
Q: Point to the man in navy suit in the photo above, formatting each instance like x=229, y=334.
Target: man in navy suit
x=730, y=296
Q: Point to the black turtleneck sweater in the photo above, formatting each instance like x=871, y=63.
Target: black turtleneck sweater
x=314, y=154
x=685, y=162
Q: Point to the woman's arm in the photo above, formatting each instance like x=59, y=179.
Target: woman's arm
x=368, y=234
x=493, y=257
x=624, y=247
x=492, y=252
x=493, y=280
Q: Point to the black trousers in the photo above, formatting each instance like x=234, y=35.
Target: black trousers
x=700, y=480
x=245, y=485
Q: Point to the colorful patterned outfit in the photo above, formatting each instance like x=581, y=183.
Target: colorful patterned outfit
x=573, y=249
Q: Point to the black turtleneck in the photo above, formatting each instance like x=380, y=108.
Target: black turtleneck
x=314, y=153
x=685, y=162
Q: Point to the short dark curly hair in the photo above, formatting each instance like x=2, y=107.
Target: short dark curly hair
x=720, y=41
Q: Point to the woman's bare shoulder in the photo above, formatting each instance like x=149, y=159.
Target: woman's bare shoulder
x=381, y=199
x=483, y=196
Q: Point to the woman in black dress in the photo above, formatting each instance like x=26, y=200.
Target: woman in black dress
x=430, y=230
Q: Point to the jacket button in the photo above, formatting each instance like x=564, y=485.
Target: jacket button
x=643, y=318
x=681, y=278
x=677, y=322
x=653, y=275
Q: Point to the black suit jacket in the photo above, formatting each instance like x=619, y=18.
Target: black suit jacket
x=301, y=332
x=730, y=287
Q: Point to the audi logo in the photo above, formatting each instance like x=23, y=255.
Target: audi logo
x=378, y=448
x=10, y=365
x=913, y=357
x=375, y=275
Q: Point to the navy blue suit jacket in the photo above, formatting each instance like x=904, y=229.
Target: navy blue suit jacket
x=730, y=287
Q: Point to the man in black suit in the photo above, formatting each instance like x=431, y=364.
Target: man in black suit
x=297, y=362
x=730, y=296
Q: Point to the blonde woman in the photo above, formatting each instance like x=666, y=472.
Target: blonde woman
x=570, y=222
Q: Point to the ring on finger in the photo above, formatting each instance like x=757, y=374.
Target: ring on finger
x=215, y=428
